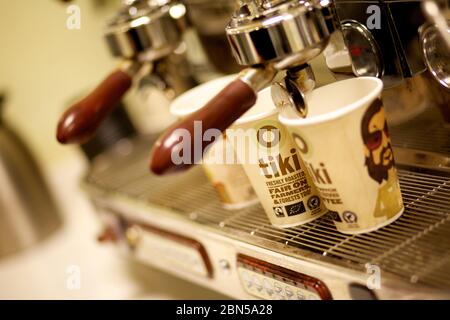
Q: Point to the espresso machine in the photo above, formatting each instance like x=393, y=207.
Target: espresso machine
x=176, y=222
x=146, y=37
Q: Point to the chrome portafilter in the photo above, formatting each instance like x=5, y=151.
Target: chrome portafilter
x=142, y=35
x=285, y=35
x=272, y=38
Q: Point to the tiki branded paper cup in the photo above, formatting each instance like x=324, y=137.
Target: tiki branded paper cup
x=344, y=142
x=274, y=167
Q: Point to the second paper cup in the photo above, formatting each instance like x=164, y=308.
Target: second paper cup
x=345, y=144
x=229, y=180
x=274, y=167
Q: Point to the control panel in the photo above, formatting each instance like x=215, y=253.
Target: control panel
x=268, y=281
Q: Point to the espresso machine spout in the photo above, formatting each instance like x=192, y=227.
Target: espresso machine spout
x=271, y=38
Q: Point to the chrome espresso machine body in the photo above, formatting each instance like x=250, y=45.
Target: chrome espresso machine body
x=177, y=224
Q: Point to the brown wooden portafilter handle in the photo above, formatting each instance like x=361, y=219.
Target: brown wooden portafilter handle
x=81, y=120
x=219, y=113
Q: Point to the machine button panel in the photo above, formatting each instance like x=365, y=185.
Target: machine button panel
x=269, y=281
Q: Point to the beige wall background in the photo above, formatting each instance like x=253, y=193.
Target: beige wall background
x=43, y=65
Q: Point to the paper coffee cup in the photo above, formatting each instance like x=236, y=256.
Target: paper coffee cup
x=344, y=142
x=274, y=166
x=230, y=180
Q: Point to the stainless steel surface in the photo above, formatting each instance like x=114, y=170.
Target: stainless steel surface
x=291, y=91
x=436, y=52
x=27, y=211
x=409, y=99
x=209, y=18
x=427, y=132
x=144, y=31
x=392, y=34
x=414, y=249
x=293, y=29
x=282, y=36
x=171, y=75
x=148, y=37
x=258, y=78
x=368, y=60
x=433, y=12
x=382, y=39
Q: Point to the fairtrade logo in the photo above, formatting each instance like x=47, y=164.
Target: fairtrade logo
x=278, y=211
x=350, y=217
x=313, y=202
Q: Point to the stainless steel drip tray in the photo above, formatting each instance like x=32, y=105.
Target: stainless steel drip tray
x=415, y=248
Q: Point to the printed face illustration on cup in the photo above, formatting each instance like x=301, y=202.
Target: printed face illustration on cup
x=346, y=148
x=378, y=149
x=380, y=159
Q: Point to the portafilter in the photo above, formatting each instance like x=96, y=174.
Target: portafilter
x=271, y=38
x=147, y=38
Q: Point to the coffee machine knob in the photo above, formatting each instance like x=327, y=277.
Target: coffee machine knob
x=364, y=51
x=436, y=54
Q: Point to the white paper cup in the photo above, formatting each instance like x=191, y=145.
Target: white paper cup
x=345, y=145
x=230, y=180
x=278, y=175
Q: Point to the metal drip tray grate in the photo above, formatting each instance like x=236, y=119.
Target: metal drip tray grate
x=416, y=247
x=427, y=132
